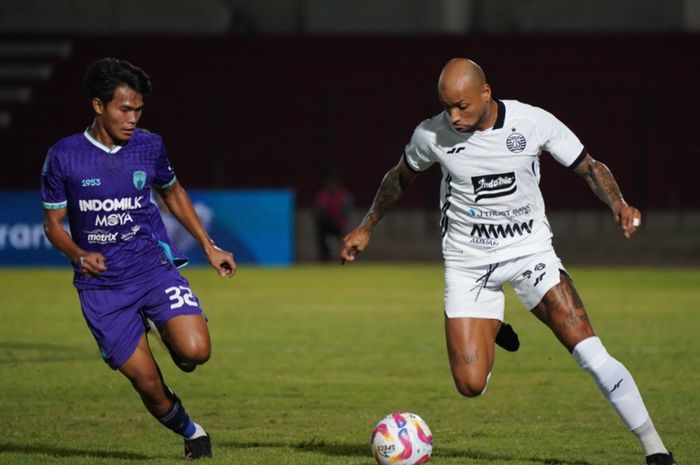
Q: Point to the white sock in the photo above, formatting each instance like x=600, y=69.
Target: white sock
x=618, y=386
x=650, y=439
x=488, y=377
x=198, y=432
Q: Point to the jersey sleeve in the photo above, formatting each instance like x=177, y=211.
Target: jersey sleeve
x=559, y=140
x=53, y=193
x=164, y=173
x=418, y=154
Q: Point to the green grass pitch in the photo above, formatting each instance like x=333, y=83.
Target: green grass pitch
x=307, y=359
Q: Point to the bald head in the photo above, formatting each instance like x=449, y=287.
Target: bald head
x=466, y=96
x=459, y=74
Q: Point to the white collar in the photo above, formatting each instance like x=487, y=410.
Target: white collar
x=100, y=145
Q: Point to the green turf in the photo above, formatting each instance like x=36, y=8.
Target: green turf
x=306, y=360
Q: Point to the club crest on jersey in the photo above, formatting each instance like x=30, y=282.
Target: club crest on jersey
x=516, y=142
x=494, y=185
x=139, y=179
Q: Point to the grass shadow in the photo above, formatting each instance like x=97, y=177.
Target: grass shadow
x=480, y=455
x=68, y=452
x=313, y=445
x=335, y=449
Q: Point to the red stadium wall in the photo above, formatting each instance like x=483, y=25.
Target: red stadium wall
x=282, y=111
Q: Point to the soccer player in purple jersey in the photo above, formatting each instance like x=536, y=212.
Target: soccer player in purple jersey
x=125, y=271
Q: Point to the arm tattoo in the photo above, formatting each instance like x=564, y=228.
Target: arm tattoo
x=390, y=192
x=603, y=184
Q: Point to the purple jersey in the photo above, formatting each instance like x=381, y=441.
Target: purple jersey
x=107, y=194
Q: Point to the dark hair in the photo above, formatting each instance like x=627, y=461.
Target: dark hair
x=106, y=74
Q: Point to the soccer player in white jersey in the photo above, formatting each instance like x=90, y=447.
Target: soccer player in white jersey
x=494, y=231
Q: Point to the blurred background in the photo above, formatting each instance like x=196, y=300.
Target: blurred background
x=312, y=101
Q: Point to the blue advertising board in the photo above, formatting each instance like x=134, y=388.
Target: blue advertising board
x=257, y=225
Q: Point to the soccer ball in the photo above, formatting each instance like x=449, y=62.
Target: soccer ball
x=401, y=438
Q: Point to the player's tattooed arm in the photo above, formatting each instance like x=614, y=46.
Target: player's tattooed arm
x=603, y=184
x=392, y=188
x=395, y=183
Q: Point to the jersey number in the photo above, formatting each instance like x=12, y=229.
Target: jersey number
x=181, y=295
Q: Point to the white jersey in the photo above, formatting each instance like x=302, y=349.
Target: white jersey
x=491, y=203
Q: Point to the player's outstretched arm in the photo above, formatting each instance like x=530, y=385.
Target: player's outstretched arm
x=90, y=263
x=601, y=180
x=391, y=189
x=180, y=206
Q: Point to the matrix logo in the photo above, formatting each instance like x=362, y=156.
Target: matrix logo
x=496, y=231
x=99, y=236
x=494, y=185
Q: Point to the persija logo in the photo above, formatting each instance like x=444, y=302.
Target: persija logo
x=399, y=419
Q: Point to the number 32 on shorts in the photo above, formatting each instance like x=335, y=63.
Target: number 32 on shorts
x=181, y=295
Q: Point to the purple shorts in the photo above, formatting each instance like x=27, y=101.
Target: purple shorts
x=116, y=316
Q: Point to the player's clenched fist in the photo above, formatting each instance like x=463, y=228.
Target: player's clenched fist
x=629, y=219
x=92, y=264
x=353, y=244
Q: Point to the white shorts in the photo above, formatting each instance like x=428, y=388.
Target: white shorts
x=477, y=292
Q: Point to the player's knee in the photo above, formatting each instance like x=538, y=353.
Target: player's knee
x=197, y=353
x=472, y=386
x=590, y=354
x=150, y=386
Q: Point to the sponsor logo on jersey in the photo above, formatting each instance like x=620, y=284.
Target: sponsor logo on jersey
x=92, y=182
x=113, y=219
x=496, y=231
x=130, y=235
x=139, y=179
x=512, y=213
x=456, y=149
x=110, y=205
x=516, y=142
x=494, y=185
x=483, y=241
x=99, y=236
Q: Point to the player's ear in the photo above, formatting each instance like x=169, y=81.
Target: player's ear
x=486, y=93
x=98, y=106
